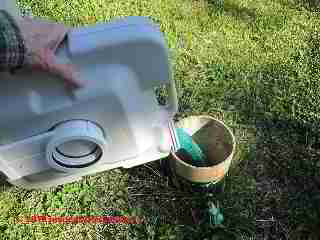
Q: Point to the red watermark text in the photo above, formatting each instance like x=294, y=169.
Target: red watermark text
x=79, y=219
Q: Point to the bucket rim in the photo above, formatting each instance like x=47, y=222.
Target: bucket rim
x=225, y=127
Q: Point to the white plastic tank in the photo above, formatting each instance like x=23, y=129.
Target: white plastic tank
x=51, y=135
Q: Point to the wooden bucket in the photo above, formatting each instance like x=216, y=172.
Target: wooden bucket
x=216, y=141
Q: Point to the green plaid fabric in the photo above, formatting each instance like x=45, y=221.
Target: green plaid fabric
x=12, y=48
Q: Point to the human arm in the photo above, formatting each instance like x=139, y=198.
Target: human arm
x=30, y=43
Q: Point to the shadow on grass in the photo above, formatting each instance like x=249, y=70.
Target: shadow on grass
x=310, y=5
x=166, y=200
x=4, y=184
x=254, y=19
x=287, y=177
x=286, y=166
x=246, y=14
x=229, y=8
x=151, y=189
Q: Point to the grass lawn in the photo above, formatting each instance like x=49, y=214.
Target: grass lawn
x=255, y=64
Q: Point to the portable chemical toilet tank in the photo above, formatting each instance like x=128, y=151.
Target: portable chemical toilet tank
x=51, y=135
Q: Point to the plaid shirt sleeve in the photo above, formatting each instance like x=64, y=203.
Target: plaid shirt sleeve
x=12, y=48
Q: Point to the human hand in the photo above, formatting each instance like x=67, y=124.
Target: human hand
x=42, y=39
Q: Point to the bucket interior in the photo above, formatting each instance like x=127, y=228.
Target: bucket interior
x=214, y=139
